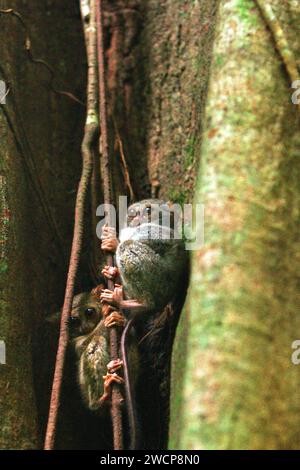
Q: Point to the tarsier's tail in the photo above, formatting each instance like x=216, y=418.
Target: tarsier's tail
x=129, y=389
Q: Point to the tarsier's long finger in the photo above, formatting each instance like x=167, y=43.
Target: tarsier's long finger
x=110, y=378
x=116, y=378
x=107, y=274
x=131, y=304
x=112, y=297
x=111, y=324
x=118, y=295
x=106, y=295
x=106, y=299
x=114, y=323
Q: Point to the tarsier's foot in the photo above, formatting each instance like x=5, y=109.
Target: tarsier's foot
x=114, y=365
x=110, y=272
x=114, y=319
x=114, y=297
x=109, y=379
x=109, y=239
x=106, y=308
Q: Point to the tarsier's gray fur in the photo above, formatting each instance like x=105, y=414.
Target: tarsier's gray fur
x=150, y=262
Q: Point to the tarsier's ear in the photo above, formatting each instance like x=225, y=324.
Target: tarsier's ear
x=53, y=318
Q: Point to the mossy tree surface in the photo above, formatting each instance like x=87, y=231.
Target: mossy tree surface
x=17, y=401
x=241, y=388
x=170, y=81
x=39, y=169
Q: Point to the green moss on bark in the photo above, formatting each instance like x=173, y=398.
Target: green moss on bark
x=241, y=387
x=39, y=169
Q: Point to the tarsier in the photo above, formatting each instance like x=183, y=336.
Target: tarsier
x=150, y=263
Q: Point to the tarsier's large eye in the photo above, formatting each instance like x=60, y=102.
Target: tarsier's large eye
x=89, y=311
x=131, y=213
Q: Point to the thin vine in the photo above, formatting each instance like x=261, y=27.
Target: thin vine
x=90, y=133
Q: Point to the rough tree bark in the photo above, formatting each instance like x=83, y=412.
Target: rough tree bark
x=40, y=162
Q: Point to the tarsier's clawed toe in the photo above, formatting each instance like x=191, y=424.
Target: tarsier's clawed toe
x=114, y=319
x=110, y=272
x=109, y=241
x=110, y=244
x=114, y=365
x=106, y=296
x=109, y=379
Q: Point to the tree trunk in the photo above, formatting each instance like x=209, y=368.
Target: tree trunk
x=241, y=389
x=233, y=384
x=40, y=164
